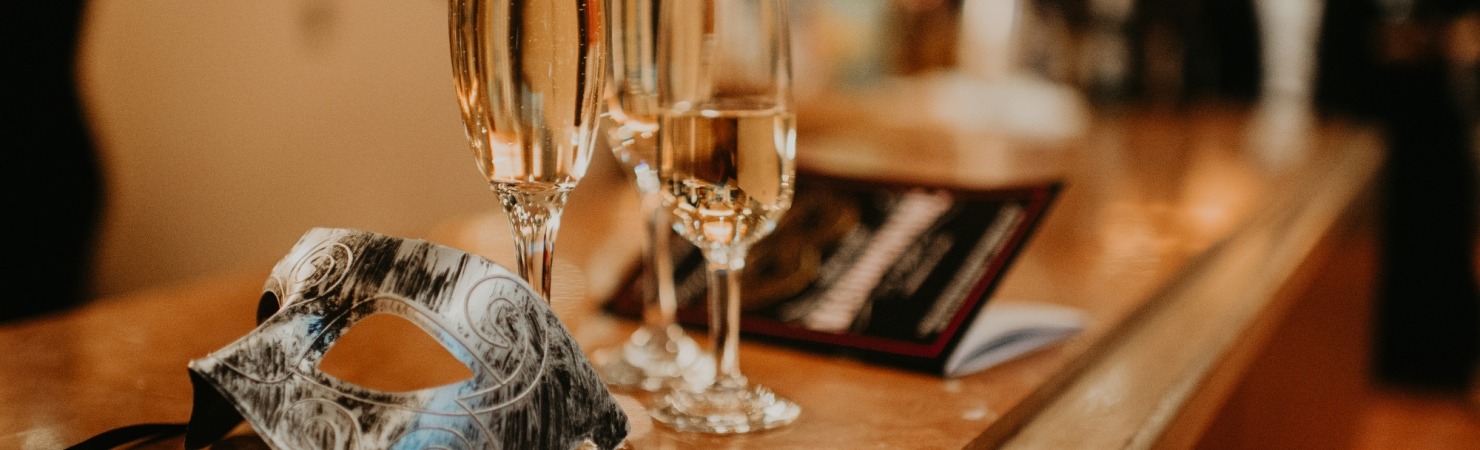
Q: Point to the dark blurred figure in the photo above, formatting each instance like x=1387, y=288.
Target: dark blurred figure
x=55, y=186
x=1387, y=61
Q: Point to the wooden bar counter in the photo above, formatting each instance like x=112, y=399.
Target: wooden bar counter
x=1176, y=233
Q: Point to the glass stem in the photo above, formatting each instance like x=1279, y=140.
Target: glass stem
x=725, y=266
x=535, y=218
x=660, y=307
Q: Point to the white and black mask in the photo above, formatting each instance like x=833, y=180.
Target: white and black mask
x=532, y=387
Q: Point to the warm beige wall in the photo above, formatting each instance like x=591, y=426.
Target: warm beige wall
x=227, y=129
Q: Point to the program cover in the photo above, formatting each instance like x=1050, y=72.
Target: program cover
x=889, y=272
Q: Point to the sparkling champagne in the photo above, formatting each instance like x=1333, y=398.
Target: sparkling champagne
x=727, y=140
x=729, y=173
x=529, y=78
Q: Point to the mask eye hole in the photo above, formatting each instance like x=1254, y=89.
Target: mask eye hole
x=388, y=353
x=267, y=306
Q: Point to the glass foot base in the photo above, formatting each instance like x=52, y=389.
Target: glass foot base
x=653, y=365
x=725, y=410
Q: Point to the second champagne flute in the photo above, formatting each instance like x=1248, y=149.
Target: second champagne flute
x=726, y=164
x=658, y=355
x=529, y=81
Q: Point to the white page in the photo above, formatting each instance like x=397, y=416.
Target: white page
x=1006, y=329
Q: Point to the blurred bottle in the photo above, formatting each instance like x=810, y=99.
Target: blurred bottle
x=927, y=34
x=1223, y=59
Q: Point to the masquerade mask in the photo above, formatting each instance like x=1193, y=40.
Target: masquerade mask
x=532, y=387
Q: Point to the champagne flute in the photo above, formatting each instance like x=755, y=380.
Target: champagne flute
x=529, y=78
x=726, y=161
x=658, y=354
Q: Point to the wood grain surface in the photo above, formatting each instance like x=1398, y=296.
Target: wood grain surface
x=1174, y=232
